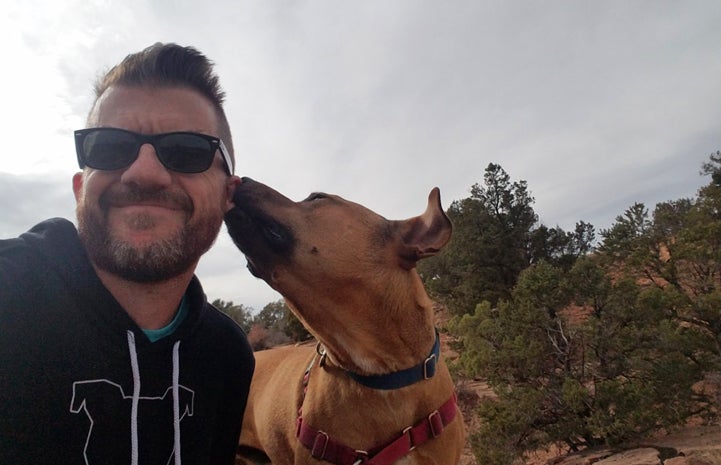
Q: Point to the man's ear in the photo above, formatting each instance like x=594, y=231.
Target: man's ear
x=78, y=185
x=231, y=183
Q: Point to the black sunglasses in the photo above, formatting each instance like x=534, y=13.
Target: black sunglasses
x=113, y=148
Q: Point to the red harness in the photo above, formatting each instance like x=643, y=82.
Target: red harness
x=323, y=447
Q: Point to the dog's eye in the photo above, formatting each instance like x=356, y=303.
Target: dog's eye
x=316, y=196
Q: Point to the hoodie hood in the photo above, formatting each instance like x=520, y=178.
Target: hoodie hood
x=56, y=241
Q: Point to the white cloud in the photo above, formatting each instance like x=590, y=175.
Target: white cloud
x=596, y=105
x=26, y=200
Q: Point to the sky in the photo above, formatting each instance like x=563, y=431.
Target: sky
x=596, y=105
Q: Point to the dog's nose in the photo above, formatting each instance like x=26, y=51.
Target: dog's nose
x=242, y=189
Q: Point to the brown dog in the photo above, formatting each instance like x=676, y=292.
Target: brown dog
x=375, y=389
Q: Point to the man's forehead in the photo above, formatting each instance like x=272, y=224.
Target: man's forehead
x=154, y=109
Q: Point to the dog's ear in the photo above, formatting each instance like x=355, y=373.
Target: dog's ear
x=425, y=235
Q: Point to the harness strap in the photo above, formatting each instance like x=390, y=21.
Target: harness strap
x=323, y=447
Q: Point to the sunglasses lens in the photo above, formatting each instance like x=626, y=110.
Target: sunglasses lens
x=112, y=149
x=108, y=149
x=186, y=153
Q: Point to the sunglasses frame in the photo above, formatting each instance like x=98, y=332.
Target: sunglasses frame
x=141, y=139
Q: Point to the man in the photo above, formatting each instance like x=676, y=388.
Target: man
x=109, y=351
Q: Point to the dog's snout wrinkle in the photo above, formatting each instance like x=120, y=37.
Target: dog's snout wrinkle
x=273, y=234
x=278, y=237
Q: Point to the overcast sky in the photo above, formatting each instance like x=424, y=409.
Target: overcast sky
x=596, y=104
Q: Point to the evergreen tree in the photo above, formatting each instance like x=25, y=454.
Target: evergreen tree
x=608, y=349
x=496, y=235
x=239, y=313
x=599, y=374
x=490, y=245
x=677, y=250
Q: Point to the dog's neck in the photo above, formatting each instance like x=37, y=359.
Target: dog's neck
x=364, y=349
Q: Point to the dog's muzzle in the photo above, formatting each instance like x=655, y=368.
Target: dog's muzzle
x=263, y=239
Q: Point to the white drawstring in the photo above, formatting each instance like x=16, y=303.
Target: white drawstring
x=136, y=398
x=176, y=401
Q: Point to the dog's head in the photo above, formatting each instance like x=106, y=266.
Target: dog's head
x=325, y=254
x=325, y=233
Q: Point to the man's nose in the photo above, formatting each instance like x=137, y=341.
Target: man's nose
x=147, y=169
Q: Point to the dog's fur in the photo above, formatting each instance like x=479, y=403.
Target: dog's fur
x=349, y=275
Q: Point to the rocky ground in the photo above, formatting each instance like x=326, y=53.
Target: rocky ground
x=695, y=445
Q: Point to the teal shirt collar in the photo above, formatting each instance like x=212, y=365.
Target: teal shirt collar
x=157, y=334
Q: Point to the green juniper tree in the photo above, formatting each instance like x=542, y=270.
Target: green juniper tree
x=604, y=347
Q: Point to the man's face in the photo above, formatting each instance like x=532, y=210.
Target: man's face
x=145, y=223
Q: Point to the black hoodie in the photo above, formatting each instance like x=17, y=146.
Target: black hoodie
x=80, y=383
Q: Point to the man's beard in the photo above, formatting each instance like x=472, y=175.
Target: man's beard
x=158, y=261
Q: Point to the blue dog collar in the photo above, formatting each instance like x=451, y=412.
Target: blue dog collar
x=396, y=380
